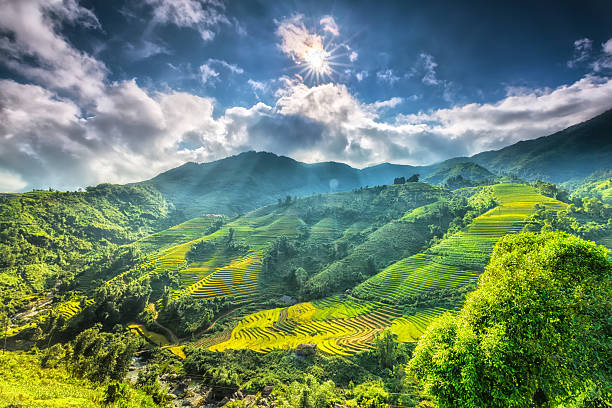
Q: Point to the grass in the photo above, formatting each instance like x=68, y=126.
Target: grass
x=23, y=383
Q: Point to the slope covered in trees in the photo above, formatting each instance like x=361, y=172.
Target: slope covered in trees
x=534, y=333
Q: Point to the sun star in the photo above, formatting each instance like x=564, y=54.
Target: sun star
x=316, y=63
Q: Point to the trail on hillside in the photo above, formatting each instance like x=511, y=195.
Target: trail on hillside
x=173, y=337
x=202, y=332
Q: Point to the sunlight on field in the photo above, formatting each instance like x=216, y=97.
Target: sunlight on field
x=344, y=325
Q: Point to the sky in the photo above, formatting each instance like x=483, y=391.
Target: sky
x=119, y=91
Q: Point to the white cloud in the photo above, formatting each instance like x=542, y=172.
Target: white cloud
x=145, y=49
x=361, y=75
x=604, y=62
x=607, y=46
x=582, y=51
x=429, y=65
x=232, y=67
x=389, y=103
x=11, y=182
x=202, y=15
x=519, y=116
x=36, y=51
x=207, y=74
x=132, y=134
x=353, y=56
x=258, y=87
x=296, y=39
x=329, y=24
x=387, y=75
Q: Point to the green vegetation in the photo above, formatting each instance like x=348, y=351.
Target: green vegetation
x=321, y=297
x=534, y=333
x=461, y=174
x=597, y=185
x=24, y=383
x=424, y=283
x=569, y=155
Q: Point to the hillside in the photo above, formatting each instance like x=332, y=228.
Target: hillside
x=573, y=153
x=335, y=270
x=49, y=237
x=468, y=172
x=404, y=296
x=238, y=184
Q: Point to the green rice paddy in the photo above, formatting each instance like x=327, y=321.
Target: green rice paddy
x=345, y=325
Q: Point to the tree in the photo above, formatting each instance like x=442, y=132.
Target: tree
x=399, y=180
x=385, y=348
x=413, y=179
x=534, y=333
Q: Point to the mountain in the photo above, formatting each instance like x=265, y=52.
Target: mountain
x=249, y=180
x=573, y=153
x=466, y=170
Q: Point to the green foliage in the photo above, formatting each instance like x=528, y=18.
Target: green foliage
x=118, y=301
x=200, y=251
x=385, y=348
x=371, y=394
x=551, y=190
x=24, y=383
x=148, y=382
x=100, y=356
x=590, y=219
x=308, y=393
x=534, y=333
x=116, y=392
x=462, y=174
x=186, y=315
x=48, y=238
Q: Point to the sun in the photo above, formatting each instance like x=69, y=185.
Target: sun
x=316, y=58
x=316, y=62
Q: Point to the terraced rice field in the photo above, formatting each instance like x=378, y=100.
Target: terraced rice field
x=222, y=275
x=184, y=232
x=325, y=230
x=336, y=325
x=410, y=327
x=459, y=259
x=348, y=325
x=238, y=279
x=65, y=310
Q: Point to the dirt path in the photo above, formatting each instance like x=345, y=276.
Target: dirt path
x=202, y=332
x=173, y=337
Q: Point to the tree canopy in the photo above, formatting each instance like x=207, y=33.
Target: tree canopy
x=536, y=332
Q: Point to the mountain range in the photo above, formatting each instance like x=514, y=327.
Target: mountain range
x=240, y=183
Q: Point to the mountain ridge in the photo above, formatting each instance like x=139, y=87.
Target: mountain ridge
x=242, y=182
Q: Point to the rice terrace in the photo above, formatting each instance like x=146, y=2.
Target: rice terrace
x=248, y=204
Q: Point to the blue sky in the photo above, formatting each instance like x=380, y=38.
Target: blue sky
x=117, y=91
